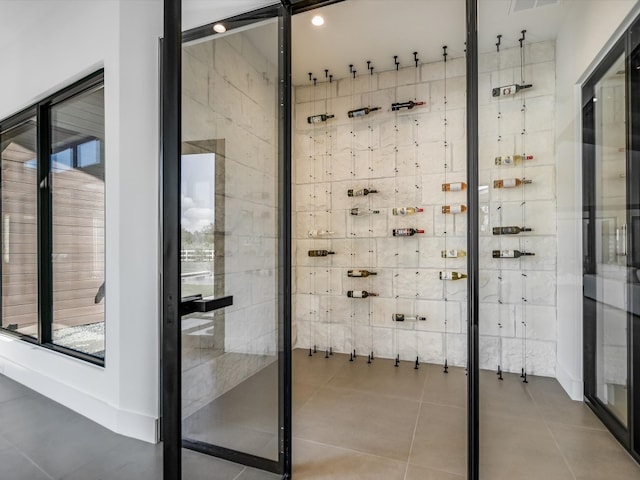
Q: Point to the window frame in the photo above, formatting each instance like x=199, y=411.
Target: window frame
x=41, y=110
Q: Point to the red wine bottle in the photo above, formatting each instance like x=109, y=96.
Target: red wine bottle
x=510, y=254
x=319, y=118
x=360, y=193
x=361, y=112
x=509, y=90
x=406, y=232
x=360, y=294
x=408, y=105
x=320, y=253
x=509, y=230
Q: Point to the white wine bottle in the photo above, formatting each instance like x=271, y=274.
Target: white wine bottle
x=360, y=273
x=408, y=105
x=361, y=112
x=509, y=230
x=512, y=159
x=358, y=212
x=510, y=182
x=319, y=118
x=401, y=317
x=360, y=193
x=319, y=233
x=454, y=187
x=509, y=89
x=360, y=294
x=452, y=276
x=406, y=232
x=403, y=211
x=453, y=253
x=320, y=253
x=510, y=254
x=454, y=208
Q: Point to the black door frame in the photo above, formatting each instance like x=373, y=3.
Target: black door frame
x=628, y=45
x=170, y=112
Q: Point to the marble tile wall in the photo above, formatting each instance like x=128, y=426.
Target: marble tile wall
x=403, y=155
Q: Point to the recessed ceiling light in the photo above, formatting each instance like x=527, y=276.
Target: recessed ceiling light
x=220, y=28
x=317, y=20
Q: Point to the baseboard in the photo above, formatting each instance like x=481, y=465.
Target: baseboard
x=123, y=422
x=574, y=387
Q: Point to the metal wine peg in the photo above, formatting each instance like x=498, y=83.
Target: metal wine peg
x=415, y=58
x=326, y=73
x=310, y=75
x=330, y=78
x=499, y=43
x=444, y=52
x=521, y=40
x=315, y=80
x=351, y=68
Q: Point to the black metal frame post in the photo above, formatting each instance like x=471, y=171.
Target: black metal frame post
x=171, y=86
x=473, y=438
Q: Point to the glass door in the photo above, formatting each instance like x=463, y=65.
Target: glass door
x=611, y=230
x=234, y=266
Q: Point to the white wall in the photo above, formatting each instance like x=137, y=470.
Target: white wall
x=45, y=46
x=583, y=38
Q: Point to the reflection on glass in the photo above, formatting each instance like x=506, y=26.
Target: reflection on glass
x=229, y=241
x=19, y=229
x=77, y=186
x=611, y=240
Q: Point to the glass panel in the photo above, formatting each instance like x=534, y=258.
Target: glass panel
x=229, y=224
x=19, y=229
x=77, y=186
x=611, y=240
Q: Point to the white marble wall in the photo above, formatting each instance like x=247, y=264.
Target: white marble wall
x=230, y=94
x=403, y=156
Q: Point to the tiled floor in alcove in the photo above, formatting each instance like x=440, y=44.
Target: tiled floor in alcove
x=352, y=421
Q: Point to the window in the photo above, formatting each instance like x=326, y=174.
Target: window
x=52, y=229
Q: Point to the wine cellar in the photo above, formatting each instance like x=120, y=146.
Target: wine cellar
x=380, y=215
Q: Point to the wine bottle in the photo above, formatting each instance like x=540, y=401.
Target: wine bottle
x=361, y=112
x=509, y=89
x=401, y=317
x=360, y=294
x=453, y=253
x=454, y=208
x=319, y=118
x=509, y=230
x=361, y=212
x=406, y=210
x=360, y=193
x=360, y=273
x=512, y=159
x=510, y=182
x=408, y=105
x=454, y=187
x=319, y=233
x=510, y=254
x=320, y=253
x=406, y=232
x=452, y=276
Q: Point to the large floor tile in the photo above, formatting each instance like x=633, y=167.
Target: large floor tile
x=380, y=377
x=14, y=466
x=593, y=454
x=556, y=406
x=316, y=461
x=316, y=369
x=519, y=448
x=197, y=466
x=445, y=388
x=10, y=390
x=507, y=397
x=421, y=473
x=359, y=421
x=441, y=439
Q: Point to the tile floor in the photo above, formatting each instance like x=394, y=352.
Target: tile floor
x=351, y=421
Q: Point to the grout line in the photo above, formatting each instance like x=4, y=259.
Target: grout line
x=239, y=474
x=415, y=429
x=33, y=463
x=346, y=449
x=564, y=458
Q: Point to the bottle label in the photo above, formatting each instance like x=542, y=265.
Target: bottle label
x=450, y=254
x=359, y=113
x=509, y=183
x=446, y=276
x=507, y=254
x=507, y=161
x=315, y=119
x=356, y=273
x=402, y=232
x=358, y=193
x=357, y=294
x=455, y=209
x=455, y=187
x=400, y=211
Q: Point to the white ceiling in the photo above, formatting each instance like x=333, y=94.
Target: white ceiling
x=359, y=30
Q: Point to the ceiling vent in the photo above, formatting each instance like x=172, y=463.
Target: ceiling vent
x=523, y=5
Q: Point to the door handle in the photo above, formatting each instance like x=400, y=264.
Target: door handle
x=195, y=303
